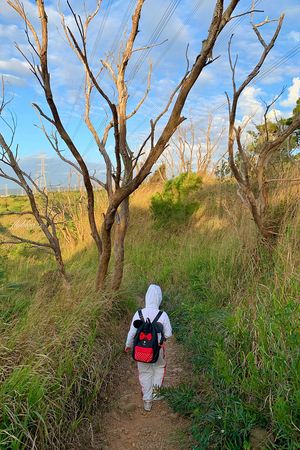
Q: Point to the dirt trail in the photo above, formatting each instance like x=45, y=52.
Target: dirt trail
x=127, y=426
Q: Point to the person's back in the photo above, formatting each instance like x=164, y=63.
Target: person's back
x=151, y=374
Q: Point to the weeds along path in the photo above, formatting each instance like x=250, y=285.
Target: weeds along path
x=127, y=426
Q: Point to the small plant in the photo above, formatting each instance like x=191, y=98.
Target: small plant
x=182, y=399
x=176, y=203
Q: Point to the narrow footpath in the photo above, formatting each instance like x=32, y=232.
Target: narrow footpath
x=127, y=426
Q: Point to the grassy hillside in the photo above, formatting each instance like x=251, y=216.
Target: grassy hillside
x=57, y=344
x=233, y=306
x=235, y=309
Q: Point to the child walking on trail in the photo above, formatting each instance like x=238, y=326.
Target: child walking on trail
x=151, y=374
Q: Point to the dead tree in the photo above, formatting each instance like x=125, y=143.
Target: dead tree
x=184, y=148
x=251, y=178
x=121, y=177
x=192, y=148
x=38, y=198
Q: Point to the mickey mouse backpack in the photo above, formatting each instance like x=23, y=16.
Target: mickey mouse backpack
x=145, y=344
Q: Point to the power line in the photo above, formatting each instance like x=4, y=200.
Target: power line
x=293, y=52
x=121, y=27
x=196, y=7
x=153, y=39
x=290, y=54
x=174, y=38
x=101, y=29
x=155, y=36
x=112, y=49
x=285, y=58
x=99, y=34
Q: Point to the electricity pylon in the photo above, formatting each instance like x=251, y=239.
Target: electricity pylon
x=40, y=177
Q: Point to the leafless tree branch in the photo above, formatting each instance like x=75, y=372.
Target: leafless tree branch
x=251, y=179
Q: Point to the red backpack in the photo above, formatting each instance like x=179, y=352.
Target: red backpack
x=145, y=344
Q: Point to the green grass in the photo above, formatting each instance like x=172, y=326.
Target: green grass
x=250, y=364
x=54, y=372
x=57, y=346
x=233, y=307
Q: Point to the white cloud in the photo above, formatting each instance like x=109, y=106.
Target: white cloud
x=185, y=26
x=12, y=80
x=274, y=115
x=252, y=109
x=294, y=35
x=293, y=94
x=15, y=66
x=249, y=106
x=280, y=75
x=9, y=31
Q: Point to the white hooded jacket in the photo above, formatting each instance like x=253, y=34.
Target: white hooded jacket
x=152, y=302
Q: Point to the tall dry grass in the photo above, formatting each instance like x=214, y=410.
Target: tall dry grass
x=232, y=305
x=235, y=307
x=57, y=345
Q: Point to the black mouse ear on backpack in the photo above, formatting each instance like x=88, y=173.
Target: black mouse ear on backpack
x=137, y=323
x=159, y=327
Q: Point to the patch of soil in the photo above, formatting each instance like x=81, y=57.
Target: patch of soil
x=260, y=438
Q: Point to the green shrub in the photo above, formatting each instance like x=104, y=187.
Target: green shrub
x=176, y=203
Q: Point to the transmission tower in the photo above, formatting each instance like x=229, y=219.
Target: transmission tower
x=70, y=173
x=43, y=182
x=40, y=174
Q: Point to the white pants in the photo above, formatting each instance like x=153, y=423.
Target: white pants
x=152, y=375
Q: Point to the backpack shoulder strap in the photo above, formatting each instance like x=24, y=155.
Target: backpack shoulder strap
x=162, y=339
x=141, y=315
x=156, y=319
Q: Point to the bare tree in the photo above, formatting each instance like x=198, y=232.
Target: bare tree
x=38, y=198
x=251, y=175
x=121, y=177
x=192, y=148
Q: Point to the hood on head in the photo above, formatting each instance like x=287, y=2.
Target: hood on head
x=153, y=296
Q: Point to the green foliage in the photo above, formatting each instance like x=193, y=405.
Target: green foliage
x=13, y=203
x=250, y=365
x=46, y=397
x=223, y=170
x=236, y=314
x=289, y=149
x=182, y=399
x=175, y=204
x=235, y=311
x=22, y=405
x=56, y=351
x=286, y=154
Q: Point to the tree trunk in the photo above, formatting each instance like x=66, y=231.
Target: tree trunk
x=119, y=240
x=106, y=247
x=104, y=258
x=59, y=260
x=257, y=215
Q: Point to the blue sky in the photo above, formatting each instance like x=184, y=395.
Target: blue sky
x=187, y=24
